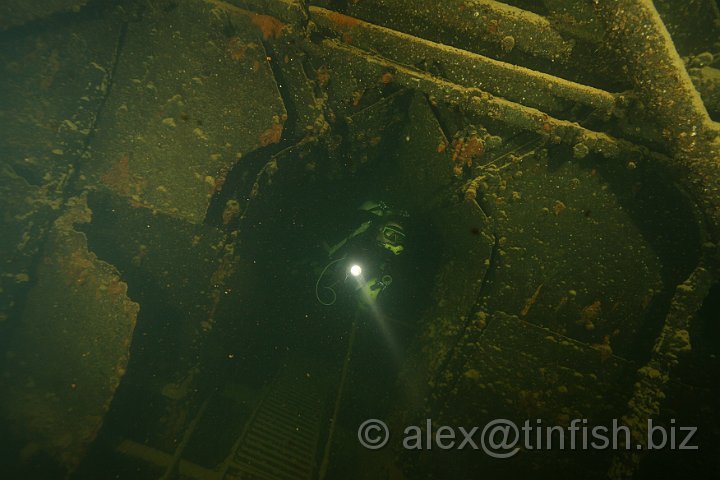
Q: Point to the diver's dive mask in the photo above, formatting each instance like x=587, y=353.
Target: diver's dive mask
x=392, y=237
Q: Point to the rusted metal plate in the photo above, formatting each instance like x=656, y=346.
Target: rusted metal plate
x=556, y=218
x=26, y=216
x=52, y=84
x=70, y=348
x=553, y=260
x=176, y=269
x=517, y=371
x=425, y=175
x=192, y=93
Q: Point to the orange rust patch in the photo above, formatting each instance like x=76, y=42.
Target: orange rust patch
x=604, y=348
x=558, y=207
x=220, y=179
x=78, y=268
x=343, y=20
x=218, y=184
x=119, y=178
x=546, y=123
x=493, y=26
x=531, y=301
x=271, y=135
x=323, y=75
x=116, y=288
x=235, y=48
x=591, y=312
x=232, y=210
x=465, y=150
x=270, y=27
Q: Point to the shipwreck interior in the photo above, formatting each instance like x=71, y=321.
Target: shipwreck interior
x=176, y=177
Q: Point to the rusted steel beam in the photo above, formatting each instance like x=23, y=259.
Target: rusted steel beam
x=293, y=12
x=639, y=36
x=653, y=378
x=475, y=102
x=470, y=24
x=519, y=84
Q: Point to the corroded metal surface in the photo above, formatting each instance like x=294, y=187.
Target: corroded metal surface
x=19, y=245
x=53, y=86
x=662, y=82
x=70, y=348
x=476, y=24
x=550, y=221
x=535, y=89
x=175, y=123
x=518, y=371
x=534, y=148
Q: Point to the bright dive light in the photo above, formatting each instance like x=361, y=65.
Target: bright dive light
x=355, y=270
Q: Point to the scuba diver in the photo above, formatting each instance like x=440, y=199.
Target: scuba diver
x=360, y=263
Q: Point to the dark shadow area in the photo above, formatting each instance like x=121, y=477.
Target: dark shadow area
x=692, y=402
x=666, y=218
x=268, y=314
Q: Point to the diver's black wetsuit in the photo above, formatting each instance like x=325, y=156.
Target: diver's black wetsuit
x=366, y=251
x=373, y=246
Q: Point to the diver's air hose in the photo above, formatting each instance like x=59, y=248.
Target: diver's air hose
x=328, y=287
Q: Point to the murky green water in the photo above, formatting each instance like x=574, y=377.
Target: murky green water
x=359, y=240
